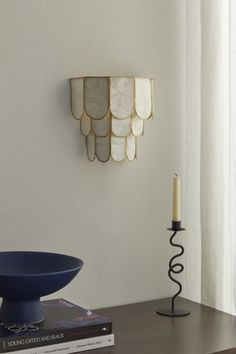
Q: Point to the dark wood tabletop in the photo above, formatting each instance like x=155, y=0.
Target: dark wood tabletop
x=139, y=330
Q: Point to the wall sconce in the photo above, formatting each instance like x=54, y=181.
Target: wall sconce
x=112, y=111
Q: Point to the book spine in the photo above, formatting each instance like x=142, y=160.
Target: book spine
x=73, y=346
x=49, y=337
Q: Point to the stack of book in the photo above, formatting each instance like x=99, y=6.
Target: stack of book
x=67, y=328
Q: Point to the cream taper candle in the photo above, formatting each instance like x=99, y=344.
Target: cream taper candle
x=176, y=198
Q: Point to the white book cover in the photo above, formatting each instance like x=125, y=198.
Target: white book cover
x=75, y=346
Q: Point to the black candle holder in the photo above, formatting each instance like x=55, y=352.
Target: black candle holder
x=176, y=268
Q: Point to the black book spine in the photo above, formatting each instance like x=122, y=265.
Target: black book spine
x=48, y=337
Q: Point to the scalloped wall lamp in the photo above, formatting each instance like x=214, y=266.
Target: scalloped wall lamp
x=112, y=112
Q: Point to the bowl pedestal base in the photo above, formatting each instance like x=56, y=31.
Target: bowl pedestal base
x=21, y=311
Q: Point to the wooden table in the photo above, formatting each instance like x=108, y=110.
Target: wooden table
x=139, y=330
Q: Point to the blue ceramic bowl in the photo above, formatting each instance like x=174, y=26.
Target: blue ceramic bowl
x=26, y=276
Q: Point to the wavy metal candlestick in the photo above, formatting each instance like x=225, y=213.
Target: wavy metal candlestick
x=175, y=268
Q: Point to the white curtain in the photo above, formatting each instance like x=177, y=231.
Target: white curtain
x=210, y=153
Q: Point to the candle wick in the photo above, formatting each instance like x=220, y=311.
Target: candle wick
x=176, y=175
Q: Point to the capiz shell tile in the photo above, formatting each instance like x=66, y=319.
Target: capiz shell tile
x=121, y=127
x=96, y=96
x=153, y=96
x=90, y=145
x=143, y=98
x=131, y=147
x=101, y=127
x=85, y=124
x=121, y=97
x=137, y=125
x=118, y=148
x=77, y=97
x=103, y=148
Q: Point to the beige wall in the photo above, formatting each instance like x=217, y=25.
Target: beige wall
x=52, y=198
